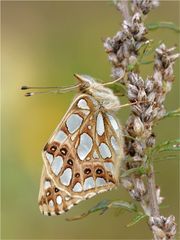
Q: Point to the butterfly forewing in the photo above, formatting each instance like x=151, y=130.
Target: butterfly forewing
x=83, y=155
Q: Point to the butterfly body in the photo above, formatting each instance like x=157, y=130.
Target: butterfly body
x=82, y=157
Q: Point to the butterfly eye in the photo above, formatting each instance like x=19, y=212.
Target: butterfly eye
x=87, y=170
x=99, y=171
x=77, y=175
x=70, y=162
x=53, y=148
x=63, y=151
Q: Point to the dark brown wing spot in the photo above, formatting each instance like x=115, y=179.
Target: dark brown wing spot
x=77, y=175
x=48, y=193
x=87, y=170
x=70, y=162
x=56, y=190
x=63, y=151
x=53, y=148
x=99, y=171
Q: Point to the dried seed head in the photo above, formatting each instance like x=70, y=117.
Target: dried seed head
x=135, y=195
x=149, y=85
x=140, y=187
x=170, y=221
x=150, y=141
x=136, y=80
x=158, y=232
x=138, y=126
x=113, y=58
x=161, y=112
x=144, y=6
x=137, y=109
x=151, y=97
x=138, y=147
x=148, y=113
x=132, y=60
x=141, y=95
x=118, y=72
x=108, y=45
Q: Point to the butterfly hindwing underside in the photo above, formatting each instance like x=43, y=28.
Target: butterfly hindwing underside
x=82, y=157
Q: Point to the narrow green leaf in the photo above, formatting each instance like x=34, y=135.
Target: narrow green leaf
x=101, y=206
x=166, y=157
x=139, y=170
x=168, y=25
x=173, y=145
x=124, y=205
x=147, y=62
x=174, y=113
x=139, y=217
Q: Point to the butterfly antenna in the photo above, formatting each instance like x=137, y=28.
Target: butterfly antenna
x=56, y=90
x=131, y=104
x=112, y=82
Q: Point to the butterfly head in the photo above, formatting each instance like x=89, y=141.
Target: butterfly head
x=104, y=95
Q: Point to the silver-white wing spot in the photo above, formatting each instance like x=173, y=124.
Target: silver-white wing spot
x=57, y=165
x=109, y=167
x=89, y=183
x=86, y=112
x=77, y=187
x=100, y=182
x=74, y=122
x=83, y=104
x=60, y=137
x=66, y=177
x=51, y=203
x=85, y=146
x=95, y=155
x=113, y=122
x=100, y=124
x=114, y=144
x=104, y=150
x=47, y=185
x=59, y=200
x=49, y=157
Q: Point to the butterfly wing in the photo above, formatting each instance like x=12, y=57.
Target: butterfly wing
x=52, y=201
x=83, y=155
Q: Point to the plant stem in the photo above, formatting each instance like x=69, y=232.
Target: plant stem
x=148, y=96
x=152, y=192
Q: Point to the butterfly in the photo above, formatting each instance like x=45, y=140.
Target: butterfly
x=82, y=157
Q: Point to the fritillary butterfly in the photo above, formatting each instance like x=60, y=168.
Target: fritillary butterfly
x=82, y=157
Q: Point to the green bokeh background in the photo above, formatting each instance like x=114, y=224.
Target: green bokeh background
x=44, y=43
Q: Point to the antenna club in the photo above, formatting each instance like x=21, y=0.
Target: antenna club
x=24, y=88
x=29, y=94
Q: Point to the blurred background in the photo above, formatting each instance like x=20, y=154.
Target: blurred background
x=44, y=43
